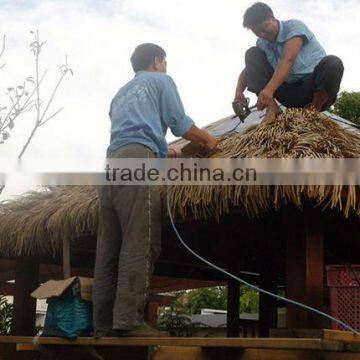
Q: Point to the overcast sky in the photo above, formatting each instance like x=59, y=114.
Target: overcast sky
x=204, y=40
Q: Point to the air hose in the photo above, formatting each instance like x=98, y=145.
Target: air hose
x=241, y=281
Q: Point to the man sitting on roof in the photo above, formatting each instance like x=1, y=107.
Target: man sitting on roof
x=287, y=64
x=129, y=233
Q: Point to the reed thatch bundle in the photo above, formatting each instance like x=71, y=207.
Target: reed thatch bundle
x=38, y=222
x=297, y=133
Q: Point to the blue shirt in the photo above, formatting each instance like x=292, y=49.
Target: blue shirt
x=143, y=110
x=309, y=56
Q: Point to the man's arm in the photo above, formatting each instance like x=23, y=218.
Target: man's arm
x=201, y=137
x=196, y=136
x=292, y=48
x=172, y=111
x=241, y=86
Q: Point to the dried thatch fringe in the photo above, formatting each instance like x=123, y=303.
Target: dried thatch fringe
x=296, y=133
x=38, y=222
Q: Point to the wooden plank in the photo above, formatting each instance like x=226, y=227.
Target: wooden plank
x=340, y=335
x=268, y=354
x=233, y=308
x=198, y=353
x=314, y=344
x=25, y=347
x=11, y=339
x=26, y=281
x=297, y=333
x=178, y=353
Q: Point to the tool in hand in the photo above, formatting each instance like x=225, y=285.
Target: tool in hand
x=242, y=109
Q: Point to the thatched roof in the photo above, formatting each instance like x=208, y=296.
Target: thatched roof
x=39, y=221
x=295, y=134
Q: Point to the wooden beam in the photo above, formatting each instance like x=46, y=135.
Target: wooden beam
x=26, y=281
x=162, y=300
x=7, y=289
x=340, y=335
x=165, y=284
x=7, y=275
x=268, y=254
x=314, y=267
x=253, y=343
x=233, y=308
x=304, y=267
x=151, y=313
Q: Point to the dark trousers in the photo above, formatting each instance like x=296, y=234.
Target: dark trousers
x=327, y=76
x=128, y=244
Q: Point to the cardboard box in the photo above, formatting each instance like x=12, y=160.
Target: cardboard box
x=69, y=312
x=55, y=288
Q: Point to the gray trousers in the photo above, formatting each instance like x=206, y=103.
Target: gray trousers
x=128, y=244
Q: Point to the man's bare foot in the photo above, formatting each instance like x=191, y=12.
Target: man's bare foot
x=320, y=98
x=272, y=111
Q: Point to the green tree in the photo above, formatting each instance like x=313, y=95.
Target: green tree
x=249, y=300
x=216, y=298
x=6, y=312
x=348, y=106
x=206, y=298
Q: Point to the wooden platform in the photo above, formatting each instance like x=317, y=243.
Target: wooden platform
x=332, y=345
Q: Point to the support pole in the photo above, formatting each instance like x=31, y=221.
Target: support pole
x=26, y=281
x=233, y=308
x=267, y=305
x=268, y=268
x=304, y=268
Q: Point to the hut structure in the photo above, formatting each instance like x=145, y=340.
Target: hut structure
x=278, y=237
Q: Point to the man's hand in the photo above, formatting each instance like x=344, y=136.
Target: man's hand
x=265, y=98
x=212, y=143
x=240, y=97
x=172, y=153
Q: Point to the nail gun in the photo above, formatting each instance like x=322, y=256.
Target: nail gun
x=242, y=109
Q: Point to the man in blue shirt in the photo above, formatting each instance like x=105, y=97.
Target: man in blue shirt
x=129, y=232
x=288, y=64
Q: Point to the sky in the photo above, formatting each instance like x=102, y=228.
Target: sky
x=205, y=44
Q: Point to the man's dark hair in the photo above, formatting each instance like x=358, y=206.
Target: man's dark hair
x=256, y=14
x=144, y=55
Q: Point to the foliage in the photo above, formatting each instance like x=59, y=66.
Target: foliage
x=216, y=298
x=206, y=298
x=174, y=320
x=249, y=300
x=6, y=312
x=348, y=106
